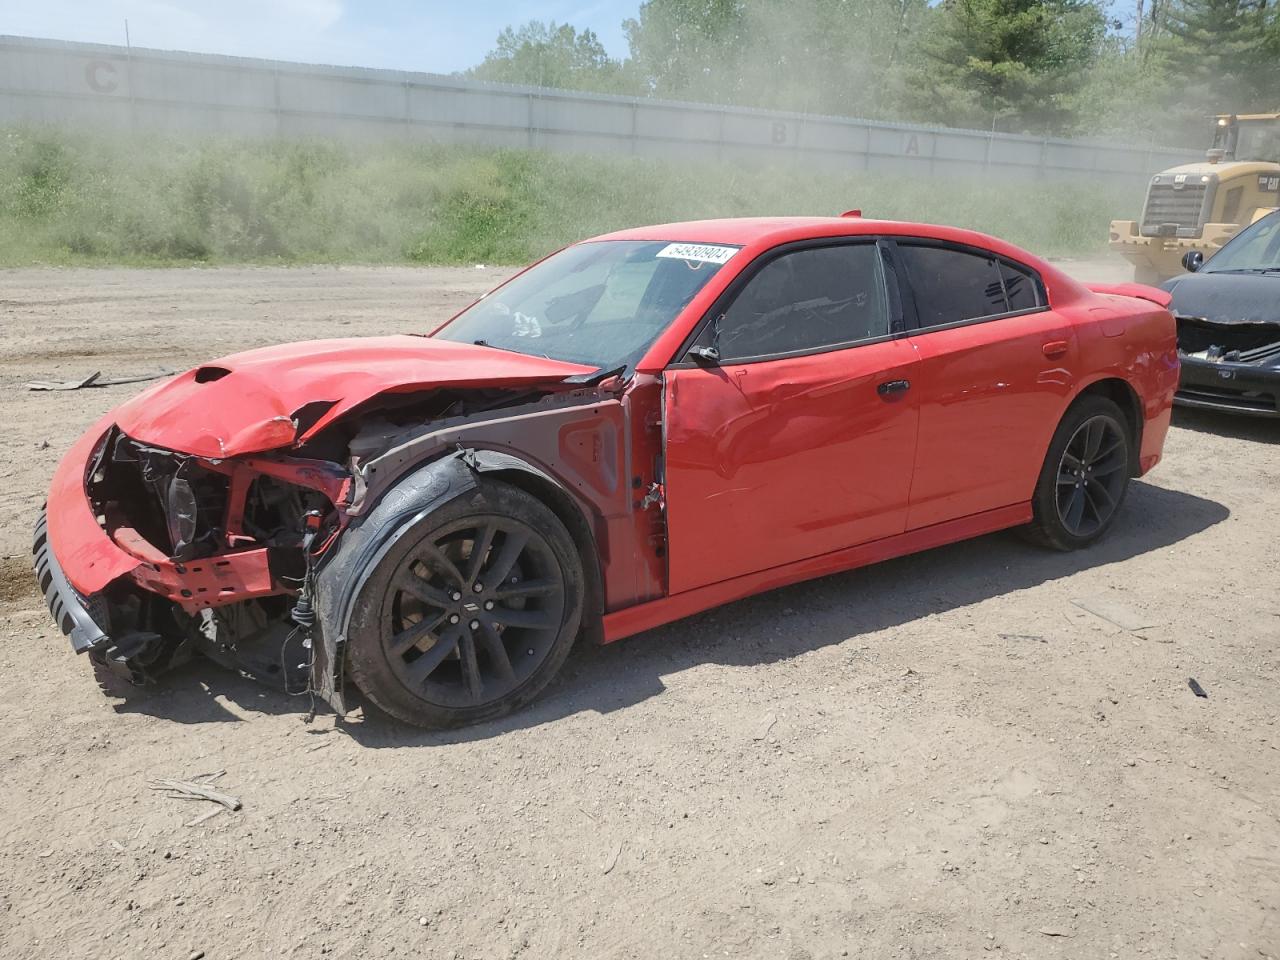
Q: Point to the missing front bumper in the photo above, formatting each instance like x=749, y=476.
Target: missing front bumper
x=134, y=655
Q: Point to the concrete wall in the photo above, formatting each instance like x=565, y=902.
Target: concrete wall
x=76, y=84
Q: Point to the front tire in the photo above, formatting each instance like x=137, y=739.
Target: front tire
x=471, y=613
x=1085, y=476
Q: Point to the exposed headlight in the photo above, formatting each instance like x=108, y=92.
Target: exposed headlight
x=181, y=514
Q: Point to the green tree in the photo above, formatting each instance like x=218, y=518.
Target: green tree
x=843, y=57
x=1229, y=53
x=1011, y=64
x=552, y=55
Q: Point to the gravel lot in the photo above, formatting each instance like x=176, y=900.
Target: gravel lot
x=943, y=756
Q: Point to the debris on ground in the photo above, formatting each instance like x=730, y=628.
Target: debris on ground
x=613, y=859
x=95, y=379
x=193, y=790
x=1196, y=688
x=1054, y=932
x=766, y=724
x=1022, y=636
x=1114, y=612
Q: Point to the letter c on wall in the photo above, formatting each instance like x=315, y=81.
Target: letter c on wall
x=101, y=77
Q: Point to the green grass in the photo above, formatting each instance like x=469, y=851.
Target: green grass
x=81, y=199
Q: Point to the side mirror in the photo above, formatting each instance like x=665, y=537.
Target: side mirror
x=1192, y=260
x=708, y=355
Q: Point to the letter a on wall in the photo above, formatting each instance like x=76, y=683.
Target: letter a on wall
x=913, y=146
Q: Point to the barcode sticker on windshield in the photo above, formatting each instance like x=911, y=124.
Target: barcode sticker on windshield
x=700, y=252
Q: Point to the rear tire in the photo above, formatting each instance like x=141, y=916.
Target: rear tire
x=1085, y=476
x=471, y=613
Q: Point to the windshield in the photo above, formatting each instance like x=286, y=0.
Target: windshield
x=600, y=303
x=1255, y=249
x=1259, y=141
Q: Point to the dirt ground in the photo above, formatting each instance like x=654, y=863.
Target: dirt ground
x=943, y=756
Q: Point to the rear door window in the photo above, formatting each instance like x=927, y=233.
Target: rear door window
x=952, y=286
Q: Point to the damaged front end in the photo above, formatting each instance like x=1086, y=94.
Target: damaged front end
x=217, y=553
x=148, y=554
x=1230, y=365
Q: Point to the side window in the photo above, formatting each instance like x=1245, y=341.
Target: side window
x=806, y=300
x=954, y=285
x=1022, y=287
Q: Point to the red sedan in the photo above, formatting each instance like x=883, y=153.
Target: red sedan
x=637, y=428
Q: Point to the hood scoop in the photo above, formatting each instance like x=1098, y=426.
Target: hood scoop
x=210, y=374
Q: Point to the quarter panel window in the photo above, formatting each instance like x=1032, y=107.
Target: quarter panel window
x=1022, y=288
x=953, y=285
x=807, y=300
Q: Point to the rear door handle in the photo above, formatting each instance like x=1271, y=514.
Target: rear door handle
x=890, y=387
x=1054, y=348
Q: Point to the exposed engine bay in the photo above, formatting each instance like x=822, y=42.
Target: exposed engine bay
x=1229, y=342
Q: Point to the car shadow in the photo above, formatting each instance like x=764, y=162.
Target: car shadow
x=757, y=630
x=1234, y=425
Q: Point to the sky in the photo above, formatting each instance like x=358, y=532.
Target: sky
x=433, y=36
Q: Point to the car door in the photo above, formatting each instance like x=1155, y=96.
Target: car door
x=799, y=438
x=996, y=368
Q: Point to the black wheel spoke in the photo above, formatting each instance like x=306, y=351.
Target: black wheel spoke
x=1109, y=449
x=1109, y=464
x=411, y=636
x=470, y=665
x=525, y=588
x=1093, y=440
x=479, y=551
x=496, y=651
x=433, y=555
x=513, y=545
x=531, y=619
x=425, y=665
x=1095, y=485
x=420, y=590
x=1075, y=509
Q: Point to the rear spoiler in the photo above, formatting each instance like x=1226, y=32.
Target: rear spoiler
x=1139, y=291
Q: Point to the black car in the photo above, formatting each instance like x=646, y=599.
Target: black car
x=1228, y=311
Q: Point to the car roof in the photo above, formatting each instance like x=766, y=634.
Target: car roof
x=765, y=232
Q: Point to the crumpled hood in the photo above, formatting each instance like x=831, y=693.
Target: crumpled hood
x=247, y=403
x=1227, y=297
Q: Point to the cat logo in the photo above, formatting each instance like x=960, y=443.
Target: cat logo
x=1269, y=182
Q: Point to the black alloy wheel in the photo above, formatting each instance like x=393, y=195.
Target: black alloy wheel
x=471, y=612
x=1092, y=475
x=1085, y=475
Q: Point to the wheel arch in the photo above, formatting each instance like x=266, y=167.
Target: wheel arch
x=1120, y=392
x=416, y=495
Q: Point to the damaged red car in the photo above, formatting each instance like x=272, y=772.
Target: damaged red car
x=637, y=428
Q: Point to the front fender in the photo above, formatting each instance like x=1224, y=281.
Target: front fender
x=359, y=550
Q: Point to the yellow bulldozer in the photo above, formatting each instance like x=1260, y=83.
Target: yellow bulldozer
x=1200, y=206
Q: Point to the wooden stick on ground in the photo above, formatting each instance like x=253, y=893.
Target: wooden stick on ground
x=187, y=790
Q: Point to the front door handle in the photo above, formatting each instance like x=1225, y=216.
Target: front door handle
x=1054, y=348
x=890, y=387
